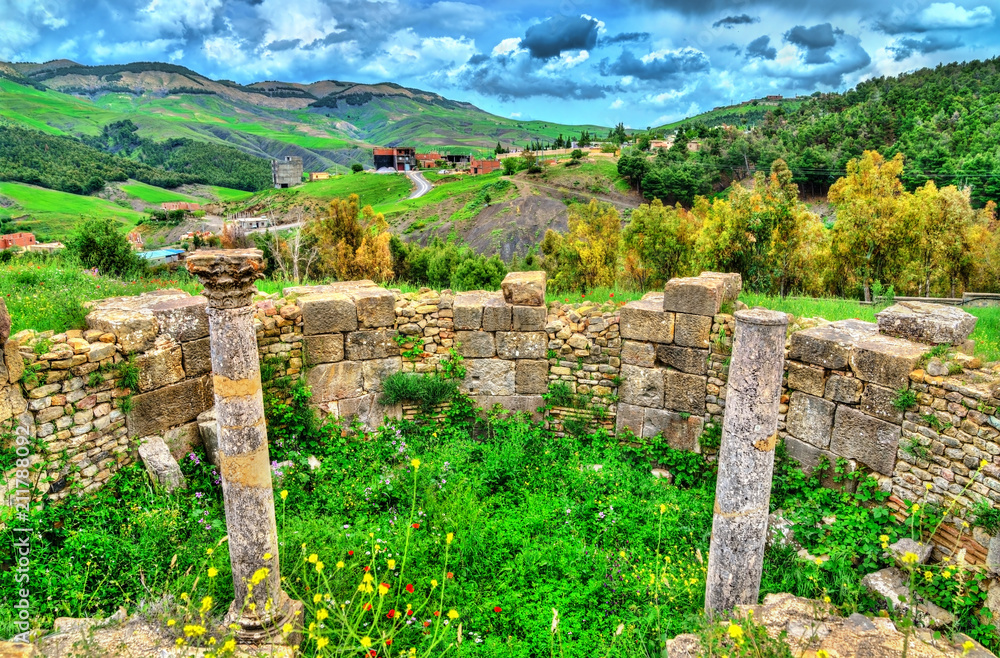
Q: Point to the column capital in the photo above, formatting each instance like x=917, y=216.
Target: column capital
x=228, y=275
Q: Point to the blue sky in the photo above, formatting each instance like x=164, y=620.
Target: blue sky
x=642, y=62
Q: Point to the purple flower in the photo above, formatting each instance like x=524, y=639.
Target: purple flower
x=198, y=495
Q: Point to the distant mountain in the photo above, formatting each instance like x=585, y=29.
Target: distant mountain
x=327, y=123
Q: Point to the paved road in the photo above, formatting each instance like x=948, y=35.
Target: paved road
x=423, y=185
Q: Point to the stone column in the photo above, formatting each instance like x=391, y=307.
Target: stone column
x=746, y=460
x=229, y=276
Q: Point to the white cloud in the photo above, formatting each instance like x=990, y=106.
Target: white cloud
x=566, y=60
x=173, y=16
x=407, y=53
x=508, y=46
x=132, y=50
x=617, y=104
x=19, y=26
x=515, y=115
x=948, y=15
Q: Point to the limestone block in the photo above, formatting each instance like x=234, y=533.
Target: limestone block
x=645, y=320
x=926, y=323
x=732, y=284
x=843, y=389
x=630, y=417
x=163, y=408
x=636, y=353
x=810, y=418
x=134, y=331
x=694, y=295
x=531, y=377
x=692, y=330
x=336, y=381
x=182, y=440
x=524, y=288
x=829, y=345
x=13, y=360
x=160, y=464
x=160, y=366
x=684, y=392
x=686, y=359
x=4, y=323
x=368, y=410
x=327, y=313
x=488, y=377
x=324, y=348
x=376, y=307
x=680, y=433
x=496, y=312
x=375, y=370
x=529, y=404
x=100, y=351
x=878, y=401
x=522, y=345
x=806, y=379
x=871, y=441
x=208, y=429
x=370, y=344
x=810, y=457
x=528, y=318
x=182, y=319
x=642, y=387
x=476, y=344
x=468, y=310
x=885, y=360
x=197, y=357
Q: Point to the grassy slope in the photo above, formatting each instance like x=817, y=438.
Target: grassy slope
x=732, y=114
x=157, y=195
x=55, y=214
x=229, y=194
x=374, y=190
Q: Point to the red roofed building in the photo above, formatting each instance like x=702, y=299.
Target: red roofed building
x=17, y=240
x=181, y=205
x=485, y=166
x=402, y=158
x=428, y=160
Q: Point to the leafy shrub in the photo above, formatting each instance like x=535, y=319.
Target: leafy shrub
x=100, y=243
x=905, y=398
x=425, y=390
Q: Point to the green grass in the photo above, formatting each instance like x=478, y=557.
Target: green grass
x=375, y=190
x=452, y=186
x=226, y=194
x=53, y=215
x=155, y=195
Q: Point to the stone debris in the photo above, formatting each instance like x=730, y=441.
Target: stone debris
x=890, y=584
x=160, y=464
x=927, y=323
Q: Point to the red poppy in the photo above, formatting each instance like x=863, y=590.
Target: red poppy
x=368, y=606
x=372, y=653
x=390, y=614
x=450, y=575
x=409, y=589
x=410, y=613
x=612, y=294
x=388, y=642
x=497, y=609
x=350, y=552
x=386, y=586
x=366, y=568
x=416, y=526
x=437, y=613
x=426, y=624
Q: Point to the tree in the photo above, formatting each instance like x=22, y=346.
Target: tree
x=633, y=167
x=658, y=240
x=509, y=166
x=101, y=243
x=357, y=168
x=351, y=245
x=587, y=256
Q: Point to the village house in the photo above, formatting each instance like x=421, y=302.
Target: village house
x=286, y=173
x=22, y=240
x=161, y=256
x=49, y=247
x=428, y=160
x=252, y=223
x=318, y=175
x=180, y=205
x=403, y=158
x=485, y=166
x=135, y=239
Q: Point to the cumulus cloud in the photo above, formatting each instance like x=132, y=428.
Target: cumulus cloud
x=659, y=65
x=174, y=16
x=822, y=65
x=625, y=37
x=817, y=41
x=761, y=48
x=907, y=46
x=516, y=76
x=936, y=16
x=560, y=33
x=729, y=22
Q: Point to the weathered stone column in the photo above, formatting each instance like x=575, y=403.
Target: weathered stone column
x=746, y=460
x=229, y=276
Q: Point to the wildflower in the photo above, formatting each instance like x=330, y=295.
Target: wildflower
x=663, y=508
x=735, y=632
x=284, y=494
x=322, y=642
x=312, y=558
x=317, y=598
x=910, y=558
x=366, y=642
x=416, y=526
x=883, y=538
x=392, y=564
x=267, y=556
x=340, y=564
x=212, y=572
x=826, y=599
x=983, y=463
x=367, y=607
x=819, y=562
x=322, y=614
x=230, y=645
x=383, y=589
x=453, y=614
x=171, y=622
x=260, y=575
x=409, y=589
x=437, y=613
x=287, y=628
x=928, y=575
x=915, y=508
x=497, y=609
x=450, y=537
x=967, y=646
x=822, y=653
x=209, y=551
x=434, y=583
x=206, y=605
x=415, y=463
x=349, y=553
x=929, y=486
x=319, y=567
x=388, y=642
x=194, y=630
x=449, y=575
x=391, y=613
x=946, y=574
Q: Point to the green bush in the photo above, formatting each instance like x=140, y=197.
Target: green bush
x=100, y=243
x=425, y=390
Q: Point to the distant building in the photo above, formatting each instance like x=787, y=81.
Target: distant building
x=287, y=172
x=403, y=158
x=50, y=247
x=661, y=143
x=17, y=240
x=251, y=223
x=135, y=239
x=180, y=205
x=773, y=97
x=428, y=160
x=318, y=175
x=161, y=256
x=694, y=146
x=456, y=159
x=485, y=166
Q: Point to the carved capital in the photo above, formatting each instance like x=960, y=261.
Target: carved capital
x=228, y=275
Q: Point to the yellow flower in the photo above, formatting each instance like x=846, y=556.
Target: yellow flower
x=434, y=583
x=286, y=629
x=312, y=558
x=340, y=565
x=259, y=575
x=212, y=572
x=910, y=558
x=383, y=590
x=319, y=567
x=366, y=642
x=735, y=632
x=822, y=653
x=453, y=614
x=322, y=614
x=928, y=575
x=184, y=596
x=230, y=645
x=284, y=494
x=621, y=554
x=392, y=564
x=929, y=486
x=967, y=646
x=663, y=508
x=883, y=538
x=322, y=642
x=819, y=562
x=317, y=598
x=946, y=573
x=450, y=537
x=415, y=463
x=171, y=622
x=209, y=551
x=915, y=508
x=206, y=604
x=267, y=556
x=194, y=630
x=826, y=599
x=983, y=463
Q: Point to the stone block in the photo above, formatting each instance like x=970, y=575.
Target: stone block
x=370, y=344
x=324, y=348
x=475, y=344
x=375, y=370
x=926, y=323
x=529, y=404
x=182, y=440
x=160, y=464
x=336, y=381
x=488, y=377
x=496, y=312
x=531, y=377
x=642, y=387
x=522, y=345
x=699, y=295
x=4, y=323
x=197, y=357
x=635, y=353
x=161, y=366
x=208, y=429
x=134, y=331
x=878, y=401
x=645, y=320
x=524, y=288
x=327, y=313
x=684, y=392
x=686, y=359
x=871, y=441
x=810, y=418
x=13, y=360
x=182, y=319
x=692, y=330
x=885, y=360
x=829, y=345
x=159, y=410
x=376, y=307
x=680, y=432
x=630, y=417
x=732, y=284
x=368, y=410
x=527, y=318
x=810, y=457
x=806, y=379
x=468, y=310
x=100, y=351
x=843, y=389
